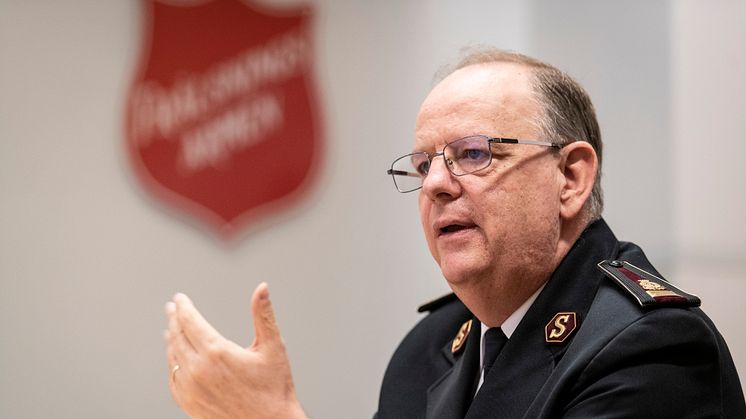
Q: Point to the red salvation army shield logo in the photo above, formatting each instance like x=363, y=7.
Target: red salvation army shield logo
x=222, y=120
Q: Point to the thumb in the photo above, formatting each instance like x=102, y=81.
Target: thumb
x=266, y=331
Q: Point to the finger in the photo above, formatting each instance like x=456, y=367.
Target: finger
x=265, y=326
x=196, y=330
x=177, y=352
x=170, y=356
x=177, y=347
x=170, y=310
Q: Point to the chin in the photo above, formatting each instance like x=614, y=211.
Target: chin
x=460, y=272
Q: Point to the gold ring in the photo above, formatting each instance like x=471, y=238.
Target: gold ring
x=173, y=372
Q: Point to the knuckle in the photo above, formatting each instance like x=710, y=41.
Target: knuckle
x=185, y=316
x=200, y=371
x=215, y=351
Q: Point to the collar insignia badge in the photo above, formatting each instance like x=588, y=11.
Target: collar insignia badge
x=460, y=339
x=560, y=327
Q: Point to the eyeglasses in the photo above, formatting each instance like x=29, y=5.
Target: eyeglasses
x=463, y=156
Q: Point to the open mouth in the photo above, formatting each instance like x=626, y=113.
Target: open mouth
x=453, y=228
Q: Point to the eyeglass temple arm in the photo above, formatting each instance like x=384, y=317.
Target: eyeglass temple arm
x=401, y=173
x=516, y=141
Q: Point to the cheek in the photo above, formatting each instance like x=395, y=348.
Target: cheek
x=497, y=201
x=516, y=203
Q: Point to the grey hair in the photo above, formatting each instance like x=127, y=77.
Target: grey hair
x=568, y=113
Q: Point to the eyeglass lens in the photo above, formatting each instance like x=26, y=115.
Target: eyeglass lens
x=463, y=156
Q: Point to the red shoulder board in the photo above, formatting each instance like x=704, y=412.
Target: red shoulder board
x=649, y=290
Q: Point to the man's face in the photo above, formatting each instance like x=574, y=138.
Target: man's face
x=498, y=226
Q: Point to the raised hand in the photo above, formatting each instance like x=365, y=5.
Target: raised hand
x=212, y=377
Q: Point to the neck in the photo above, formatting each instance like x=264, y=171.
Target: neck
x=495, y=297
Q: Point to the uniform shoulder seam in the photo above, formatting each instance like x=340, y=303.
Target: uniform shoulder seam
x=436, y=303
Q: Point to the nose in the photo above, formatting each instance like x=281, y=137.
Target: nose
x=440, y=183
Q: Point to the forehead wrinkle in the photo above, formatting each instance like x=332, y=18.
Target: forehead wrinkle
x=503, y=116
x=450, y=124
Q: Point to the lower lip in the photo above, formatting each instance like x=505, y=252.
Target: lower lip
x=458, y=234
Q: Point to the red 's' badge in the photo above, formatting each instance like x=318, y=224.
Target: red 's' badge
x=222, y=119
x=560, y=327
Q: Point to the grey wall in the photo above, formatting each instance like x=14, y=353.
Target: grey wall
x=620, y=52
x=87, y=259
x=708, y=108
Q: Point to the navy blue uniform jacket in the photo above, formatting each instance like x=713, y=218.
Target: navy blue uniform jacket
x=622, y=361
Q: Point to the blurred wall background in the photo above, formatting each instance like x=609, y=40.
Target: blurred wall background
x=87, y=259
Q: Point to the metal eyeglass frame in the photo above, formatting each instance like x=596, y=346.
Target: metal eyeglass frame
x=430, y=157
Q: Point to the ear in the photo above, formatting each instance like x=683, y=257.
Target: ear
x=578, y=165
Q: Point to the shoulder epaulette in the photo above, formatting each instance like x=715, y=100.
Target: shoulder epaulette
x=649, y=290
x=437, y=303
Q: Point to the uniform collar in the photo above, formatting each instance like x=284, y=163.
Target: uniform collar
x=508, y=327
x=528, y=359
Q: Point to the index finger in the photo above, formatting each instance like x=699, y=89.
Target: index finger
x=196, y=329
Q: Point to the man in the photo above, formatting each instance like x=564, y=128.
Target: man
x=551, y=316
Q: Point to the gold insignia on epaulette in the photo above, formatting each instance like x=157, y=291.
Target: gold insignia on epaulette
x=648, y=289
x=460, y=339
x=651, y=286
x=656, y=290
